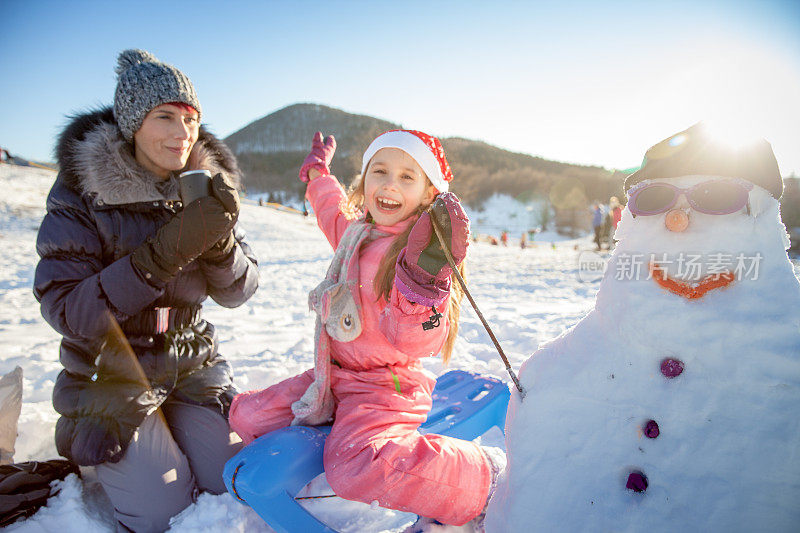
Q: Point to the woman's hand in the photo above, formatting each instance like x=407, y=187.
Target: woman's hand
x=423, y=273
x=191, y=232
x=317, y=163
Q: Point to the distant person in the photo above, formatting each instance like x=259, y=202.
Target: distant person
x=607, y=225
x=504, y=238
x=118, y=246
x=615, y=212
x=389, y=300
x=523, y=241
x=597, y=224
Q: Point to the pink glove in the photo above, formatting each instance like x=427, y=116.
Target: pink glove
x=320, y=157
x=423, y=274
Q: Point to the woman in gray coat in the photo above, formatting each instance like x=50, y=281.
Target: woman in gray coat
x=119, y=252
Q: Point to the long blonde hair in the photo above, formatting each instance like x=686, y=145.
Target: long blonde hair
x=384, y=280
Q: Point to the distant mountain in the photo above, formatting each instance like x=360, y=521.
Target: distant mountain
x=271, y=150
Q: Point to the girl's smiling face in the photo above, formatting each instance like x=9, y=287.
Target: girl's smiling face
x=395, y=186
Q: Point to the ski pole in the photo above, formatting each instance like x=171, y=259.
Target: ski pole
x=463, y=284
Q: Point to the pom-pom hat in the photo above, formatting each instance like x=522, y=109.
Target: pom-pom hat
x=426, y=150
x=143, y=83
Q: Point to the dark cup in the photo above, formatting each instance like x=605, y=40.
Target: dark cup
x=194, y=184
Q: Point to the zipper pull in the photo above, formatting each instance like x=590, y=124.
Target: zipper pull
x=433, y=320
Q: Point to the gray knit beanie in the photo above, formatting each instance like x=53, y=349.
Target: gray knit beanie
x=144, y=82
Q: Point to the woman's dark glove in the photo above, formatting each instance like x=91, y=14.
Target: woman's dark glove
x=226, y=195
x=220, y=249
x=191, y=232
x=229, y=197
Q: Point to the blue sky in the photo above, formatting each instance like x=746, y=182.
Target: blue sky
x=584, y=82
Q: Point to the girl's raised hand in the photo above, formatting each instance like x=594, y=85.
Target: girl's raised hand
x=423, y=273
x=319, y=159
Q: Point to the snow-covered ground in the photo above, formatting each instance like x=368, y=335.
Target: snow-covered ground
x=505, y=213
x=528, y=296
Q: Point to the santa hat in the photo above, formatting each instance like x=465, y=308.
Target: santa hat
x=426, y=150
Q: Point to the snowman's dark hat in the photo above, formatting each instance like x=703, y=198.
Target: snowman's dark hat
x=695, y=152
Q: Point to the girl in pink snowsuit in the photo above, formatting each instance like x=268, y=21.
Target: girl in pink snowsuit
x=368, y=378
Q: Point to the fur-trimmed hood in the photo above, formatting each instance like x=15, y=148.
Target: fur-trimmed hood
x=95, y=159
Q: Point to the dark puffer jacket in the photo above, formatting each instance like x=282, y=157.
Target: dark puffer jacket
x=102, y=206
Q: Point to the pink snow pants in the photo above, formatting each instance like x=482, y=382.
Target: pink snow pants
x=374, y=451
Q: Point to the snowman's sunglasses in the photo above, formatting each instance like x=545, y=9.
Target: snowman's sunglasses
x=713, y=197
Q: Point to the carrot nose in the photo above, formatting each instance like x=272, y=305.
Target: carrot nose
x=677, y=220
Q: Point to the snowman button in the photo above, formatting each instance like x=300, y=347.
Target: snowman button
x=651, y=430
x=671, y=368
x=637, y=482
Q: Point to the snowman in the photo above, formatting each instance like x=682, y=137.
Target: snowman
x=673, y=405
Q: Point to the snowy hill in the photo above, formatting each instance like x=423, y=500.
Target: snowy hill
x=272, y=148
x=528, y=296
x=289, y=129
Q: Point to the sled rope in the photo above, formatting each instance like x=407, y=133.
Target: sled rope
x=315, y=497
x=233, y=484
x=442, y=243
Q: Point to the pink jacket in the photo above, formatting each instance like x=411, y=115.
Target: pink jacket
x=392, y=332
x=374, y=451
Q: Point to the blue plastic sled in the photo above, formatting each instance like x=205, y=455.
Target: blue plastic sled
x=267, y=474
